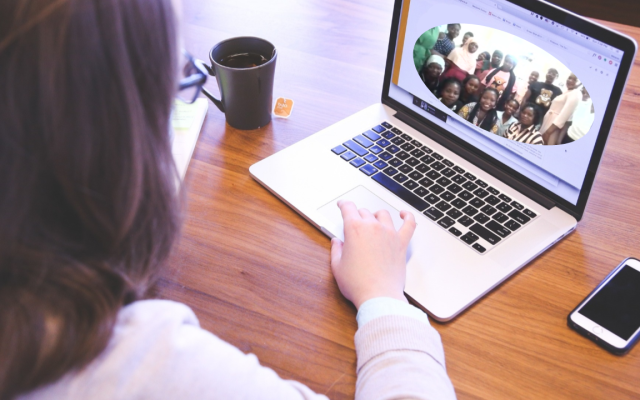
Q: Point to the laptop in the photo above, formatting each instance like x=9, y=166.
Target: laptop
x=486, y=201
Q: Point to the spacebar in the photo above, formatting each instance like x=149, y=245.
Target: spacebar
x=400, y=191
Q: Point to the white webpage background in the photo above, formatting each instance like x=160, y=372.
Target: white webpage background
x=551, y=166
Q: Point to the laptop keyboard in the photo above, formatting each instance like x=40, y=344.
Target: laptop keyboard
x=456, y=200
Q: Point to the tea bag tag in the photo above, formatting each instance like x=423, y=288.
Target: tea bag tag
x=283, y=107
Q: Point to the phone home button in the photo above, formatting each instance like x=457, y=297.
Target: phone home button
x=597, y=330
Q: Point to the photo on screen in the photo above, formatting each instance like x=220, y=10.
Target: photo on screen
x=503, y=84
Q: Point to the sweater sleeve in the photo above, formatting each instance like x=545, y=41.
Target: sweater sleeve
x=400, y=356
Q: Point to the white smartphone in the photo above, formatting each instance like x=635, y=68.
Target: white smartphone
x=610, y=315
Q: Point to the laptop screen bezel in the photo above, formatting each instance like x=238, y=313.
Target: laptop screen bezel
x=573, y=21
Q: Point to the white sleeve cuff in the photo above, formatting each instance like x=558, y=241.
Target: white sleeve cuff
x=381, y=306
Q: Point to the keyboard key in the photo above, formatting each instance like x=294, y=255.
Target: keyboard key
x=417, y=153
x=433, y=175
x=406, y=137
x=371, y=135
x=505, y=198
x=470, y=211
x=481, y=192
x=357, y=162
x=355, y=147
x=437, y=166
x=405, y=169
x=466, y=196
x=339, y=149
x=470, y=176
x=410, y=185
x=393, y=149
x=368, y=169
x=446, y=222
x=400, y=178
x=519, y=217
x=517, y=205
x=380, y=164
x=488, y=210
x=458, y=170
x=387, y=125
x=415, y=175
x=448, y=172
x=455, y=189
x=454, y=213
x=385, y=156
x=529, y=213
x=378, y=128
x=442, y=181
x=493, y=190
x=407, y=147
x=390, y=171
x=363, y=141
x=513, y=225
x=347, y=156
x=413, y=161
x=437, y=189
x=403, y=155
x=498, y=229
x=395, y=162
x=481, y=218
x=376, y=149
x=443, y=206
x=447, y=163
x=396, y=131
x=504, y=207
x=493, y=200
x=469, y=237
x=470, y=186
x=458, y=203
x=427, y=159
x=434, y=214
x=437, y=156
x=479, y=248
x=485, y=234
x=371, y=158
x=423, y=168
x=426, y=149
x=388, y=135
x=500, y=217
x=416, y=143
x=397, y=140
x=476, y=202
x=397, y=189
x=482, y=184
x=420, y=191
x=465, y=221
x=455, y=231
x=448, y=196
x=432, y=198
x=459, y=179
x=426, y=182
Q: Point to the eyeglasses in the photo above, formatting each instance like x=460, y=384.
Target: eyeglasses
x=194, y=77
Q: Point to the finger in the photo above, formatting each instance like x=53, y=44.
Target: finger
x=385, y=218
x=348, y=210
x=336, y=253
x=366, y=214
x=408, y=227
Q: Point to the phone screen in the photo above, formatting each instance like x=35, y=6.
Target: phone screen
x=616, y=307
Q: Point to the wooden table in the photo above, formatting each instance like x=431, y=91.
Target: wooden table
x=257, y=274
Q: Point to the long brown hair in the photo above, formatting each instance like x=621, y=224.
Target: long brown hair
x=89, y=207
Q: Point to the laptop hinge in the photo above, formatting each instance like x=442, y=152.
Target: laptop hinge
x=431, y=130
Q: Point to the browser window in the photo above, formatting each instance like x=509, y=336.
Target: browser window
x=524, y=89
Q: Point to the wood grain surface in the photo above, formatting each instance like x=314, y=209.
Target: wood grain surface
x=257, y=274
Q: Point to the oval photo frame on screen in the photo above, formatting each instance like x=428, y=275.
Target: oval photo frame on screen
x=503, y=84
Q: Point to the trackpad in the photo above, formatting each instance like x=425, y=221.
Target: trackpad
x=362, y=198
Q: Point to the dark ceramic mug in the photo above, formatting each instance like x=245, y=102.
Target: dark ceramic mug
x=246, y=93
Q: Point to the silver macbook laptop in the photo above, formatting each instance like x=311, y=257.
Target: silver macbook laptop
x=493, y=120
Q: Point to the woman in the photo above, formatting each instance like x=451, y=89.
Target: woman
x=431, y=71
x=507, y=117
x=482, y=62
x=502, y=79
x=90, y=211
x=525, y=131
x=449, y=94
x=561, y=108
x=462, y=61
x=483, y=113
x=470, y=87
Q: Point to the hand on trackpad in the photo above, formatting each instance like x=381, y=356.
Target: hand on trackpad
x=362, y=198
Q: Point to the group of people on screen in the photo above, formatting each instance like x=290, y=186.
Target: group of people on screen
x=482, y=88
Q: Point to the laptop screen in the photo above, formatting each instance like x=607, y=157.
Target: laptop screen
x=524, y=89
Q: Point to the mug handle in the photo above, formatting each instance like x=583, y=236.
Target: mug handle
x=215, y=101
